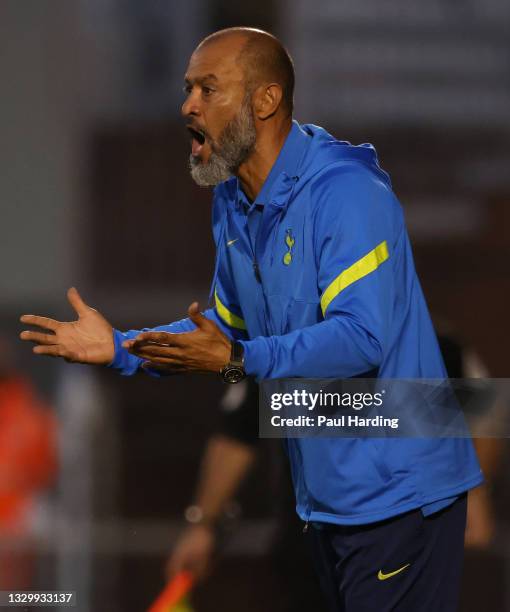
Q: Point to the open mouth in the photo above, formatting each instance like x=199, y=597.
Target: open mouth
x=197, y=140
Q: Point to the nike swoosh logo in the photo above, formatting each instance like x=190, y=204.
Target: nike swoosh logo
x=231, y=242
x=382, y=576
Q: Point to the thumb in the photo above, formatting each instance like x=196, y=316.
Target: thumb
x=76, y=302
x=197, y=317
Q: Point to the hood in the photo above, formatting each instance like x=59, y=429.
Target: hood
x=324, y=149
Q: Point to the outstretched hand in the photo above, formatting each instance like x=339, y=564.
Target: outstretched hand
x=89, y=339
x=205, y=349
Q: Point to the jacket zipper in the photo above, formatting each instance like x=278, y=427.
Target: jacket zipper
x=267, y=317
x=257, y=272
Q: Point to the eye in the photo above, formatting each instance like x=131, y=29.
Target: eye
x=207, y=91
x=187, y=89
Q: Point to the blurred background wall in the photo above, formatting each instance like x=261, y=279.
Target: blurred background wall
x=95, y=193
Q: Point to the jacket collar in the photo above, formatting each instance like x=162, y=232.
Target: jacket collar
x=287, y=163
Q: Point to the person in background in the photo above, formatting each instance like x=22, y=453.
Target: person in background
x=28, y=465
x=228, y=457
x=464, y=362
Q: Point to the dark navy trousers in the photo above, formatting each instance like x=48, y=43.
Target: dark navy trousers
x=408, y=563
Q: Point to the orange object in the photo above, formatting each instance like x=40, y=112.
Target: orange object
x=173, y=592
x=27, y=451
x=28, y=463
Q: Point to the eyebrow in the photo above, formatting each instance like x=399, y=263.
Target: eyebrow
x=201, y=79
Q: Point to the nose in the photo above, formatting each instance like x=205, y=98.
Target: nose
x=191, y=106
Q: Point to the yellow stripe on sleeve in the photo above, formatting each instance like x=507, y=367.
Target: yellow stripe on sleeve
x=370, y=262
x=229, y=317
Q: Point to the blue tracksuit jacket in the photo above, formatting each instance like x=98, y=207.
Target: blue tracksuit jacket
x=316, y=278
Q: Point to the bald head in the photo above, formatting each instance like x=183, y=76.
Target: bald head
x=263, y=60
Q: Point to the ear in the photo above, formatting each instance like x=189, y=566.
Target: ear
x=267, y=100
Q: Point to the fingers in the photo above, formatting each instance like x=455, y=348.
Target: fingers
x=54, y=350
x=197, y=317
x=160, y=338
x=43, y=322
x=46, y=339
x=176, y=565
x=76, y=302
x=162, y=358
x=155, y=350
x=155, y=347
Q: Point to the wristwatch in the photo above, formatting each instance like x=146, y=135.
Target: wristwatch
x=234, y=372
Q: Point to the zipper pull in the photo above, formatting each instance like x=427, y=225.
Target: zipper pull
x=305, y=528
x=257, y=272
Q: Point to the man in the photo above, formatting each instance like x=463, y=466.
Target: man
x=230, y=453
x=314, y=277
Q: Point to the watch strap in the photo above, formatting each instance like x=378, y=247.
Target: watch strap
x=237, y=355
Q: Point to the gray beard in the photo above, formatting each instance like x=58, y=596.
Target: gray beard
x=235, y=145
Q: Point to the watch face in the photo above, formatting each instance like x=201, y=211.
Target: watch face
x=233, y=375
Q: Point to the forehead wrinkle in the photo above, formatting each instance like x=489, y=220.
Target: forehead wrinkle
x=200, y=79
